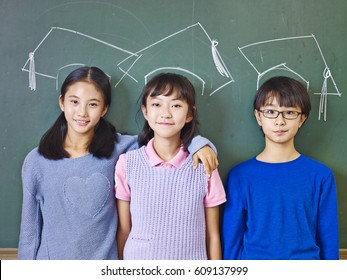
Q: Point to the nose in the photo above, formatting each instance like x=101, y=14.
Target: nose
x=280, y=120
x=166, y=113
x=82, y=110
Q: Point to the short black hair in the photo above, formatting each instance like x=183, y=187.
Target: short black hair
x=288, y=92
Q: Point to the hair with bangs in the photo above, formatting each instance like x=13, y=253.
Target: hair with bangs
x=102, y=144
x=288, y=92
x=165, y=84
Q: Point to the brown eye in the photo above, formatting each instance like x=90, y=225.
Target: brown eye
x=270, y=112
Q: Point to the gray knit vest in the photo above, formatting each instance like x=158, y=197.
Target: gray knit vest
x=167, y=210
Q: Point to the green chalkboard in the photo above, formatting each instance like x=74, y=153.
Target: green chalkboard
x=225, y=47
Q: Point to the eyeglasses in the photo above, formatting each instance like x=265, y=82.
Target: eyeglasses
x=273, y=114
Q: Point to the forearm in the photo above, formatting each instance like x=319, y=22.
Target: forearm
x=122, y=237
x=124, y=226
x=30, y=229
x=213, y=245
x=328, y=230
x=214, y=250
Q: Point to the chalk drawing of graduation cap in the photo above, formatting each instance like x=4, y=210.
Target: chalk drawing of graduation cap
x=190, y=50
x=292, y=54
x=63, y=48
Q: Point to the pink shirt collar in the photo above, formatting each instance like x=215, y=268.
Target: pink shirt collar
x=176, y=162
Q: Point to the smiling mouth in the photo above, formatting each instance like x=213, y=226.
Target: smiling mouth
x=81, y=122
x=164, y=123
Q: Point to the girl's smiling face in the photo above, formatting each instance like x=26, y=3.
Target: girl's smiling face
x=83, y=106
x=166, y=115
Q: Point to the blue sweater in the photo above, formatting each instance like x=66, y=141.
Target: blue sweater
x=68, y=207
x=280, y=211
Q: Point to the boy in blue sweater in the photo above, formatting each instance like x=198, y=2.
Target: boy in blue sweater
x=281, y=204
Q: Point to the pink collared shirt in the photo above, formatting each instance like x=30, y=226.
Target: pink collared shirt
x=215, y=194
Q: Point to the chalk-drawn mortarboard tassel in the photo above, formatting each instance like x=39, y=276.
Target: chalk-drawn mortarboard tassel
x=32, y=77
x=216, y=59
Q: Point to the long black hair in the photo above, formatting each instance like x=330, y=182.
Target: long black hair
x=102, y=145
x=165, y=84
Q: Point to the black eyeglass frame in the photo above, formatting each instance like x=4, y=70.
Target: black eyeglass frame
x=280, y=112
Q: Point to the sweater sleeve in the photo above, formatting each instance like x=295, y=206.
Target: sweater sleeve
x=31, y=222
x=126, y=143
x=198, y=142
x=234, y=219
x=327, y=228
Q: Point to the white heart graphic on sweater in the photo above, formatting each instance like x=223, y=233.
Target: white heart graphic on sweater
x=88, y=195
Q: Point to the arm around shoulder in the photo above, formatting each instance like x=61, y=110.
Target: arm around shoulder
x=126, y=143
x=199, y=142
x=202, y=149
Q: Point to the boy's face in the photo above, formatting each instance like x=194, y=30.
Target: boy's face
x=282, y=127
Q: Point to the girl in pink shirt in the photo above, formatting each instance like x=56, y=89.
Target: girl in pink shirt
x=166, y=209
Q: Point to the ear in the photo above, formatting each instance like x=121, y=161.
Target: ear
x=144, y=111
x=302, y=120
x=104, y=111
x=61, y=102
x=190, y=116
x=257, y=116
